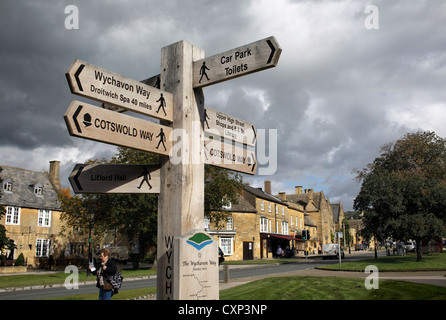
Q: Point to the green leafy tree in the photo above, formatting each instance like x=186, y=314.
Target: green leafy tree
x=403, y=192
x=222, y=187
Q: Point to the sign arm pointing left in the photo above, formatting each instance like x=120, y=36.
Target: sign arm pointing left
x=76, y=76
x=75, y=115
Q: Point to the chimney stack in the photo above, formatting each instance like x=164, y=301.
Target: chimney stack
x=268, y=187
x=298, y=189
x=54, y=174
x=310, y=194
x=282, y=196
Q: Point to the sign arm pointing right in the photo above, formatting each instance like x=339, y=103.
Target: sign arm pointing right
x=250, y=58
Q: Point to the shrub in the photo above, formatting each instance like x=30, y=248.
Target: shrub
x=20, y=261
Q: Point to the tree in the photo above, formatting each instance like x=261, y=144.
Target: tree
x=221, y=188
x=403, y=192
x=133, y=215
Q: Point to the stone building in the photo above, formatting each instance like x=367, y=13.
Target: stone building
x=261, y=222
x=32, y=218
x=319, y=211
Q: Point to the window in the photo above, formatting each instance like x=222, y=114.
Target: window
x=44, y=218
x=42, y=247
x=38, y=190
x=228, y=207
x=262, y=206
x=230, y=223
x=263, y=225
x=269, y=207
x=12, y=215
x=226, y=245
x=283, y=211
x=7, y=185
x=277, y=209
x=284, y=227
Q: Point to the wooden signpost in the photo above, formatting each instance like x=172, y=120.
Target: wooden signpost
x=230, y=156
x=229, y=143
x=90, y=122
x=253, y=57
x=229, y=127
x=105, y=86
x=115, y=178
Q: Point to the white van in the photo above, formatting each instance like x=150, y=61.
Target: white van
x=331, y=250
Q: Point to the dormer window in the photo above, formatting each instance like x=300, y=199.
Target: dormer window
x=7, y=185
x=38, y=190
x=227, y=207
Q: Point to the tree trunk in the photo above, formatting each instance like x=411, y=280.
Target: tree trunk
x=419, y=255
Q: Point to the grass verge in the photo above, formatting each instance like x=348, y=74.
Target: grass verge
x=330, y=288
x=306, y=288
x=432, y=262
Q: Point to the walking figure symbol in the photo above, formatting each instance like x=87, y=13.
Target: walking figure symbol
x=162, y=102
x=162, y=137
x=206, y=117
x=203, y=71
x=147, y=178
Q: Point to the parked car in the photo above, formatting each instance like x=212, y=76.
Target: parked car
x=410, y=246
x=120, y=254
x=221, y=256
x=359, y=247
x=331, y=250
x=400, y=249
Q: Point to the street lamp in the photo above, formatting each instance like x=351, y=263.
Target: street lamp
x=90, y=214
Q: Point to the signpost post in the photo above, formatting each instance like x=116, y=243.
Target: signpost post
x=229, y=143
x=339, y=235
x=181, y=199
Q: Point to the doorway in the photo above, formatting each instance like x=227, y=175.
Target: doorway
x=248, y=250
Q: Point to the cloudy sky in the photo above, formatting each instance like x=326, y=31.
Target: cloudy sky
x=350, y=78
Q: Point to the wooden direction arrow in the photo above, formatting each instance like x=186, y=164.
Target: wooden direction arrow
x=94, y=123
x=253, y=57
x=105, y=86
x=152, y=81
x=115, y=178
x=229, y=127
x=229, y=156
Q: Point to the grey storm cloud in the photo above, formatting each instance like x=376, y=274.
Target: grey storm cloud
x=339, y=92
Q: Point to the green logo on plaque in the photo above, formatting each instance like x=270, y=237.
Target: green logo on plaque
x=199, y=241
